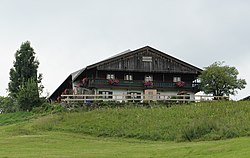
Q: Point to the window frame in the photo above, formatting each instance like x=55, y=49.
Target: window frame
x=110, y=76
x=128, y=77
x=176, y=79
x=148, y=78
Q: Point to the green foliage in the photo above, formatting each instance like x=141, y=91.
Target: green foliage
x=25, y=144
x=221, y=80
x=24, y=78
x=11, y=118
x=47, y=108
x=28, y=96
x=200, y=129
x=191, y=122
x=64, y=134
x=7, y=104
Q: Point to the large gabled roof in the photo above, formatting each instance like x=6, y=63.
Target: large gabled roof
x=129, y=52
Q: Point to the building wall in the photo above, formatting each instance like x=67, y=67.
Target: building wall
x=119, y=92
x=147, y=60
x=123, y=92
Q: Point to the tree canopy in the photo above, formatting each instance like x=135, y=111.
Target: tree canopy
x=24, y=76
x=221, y=80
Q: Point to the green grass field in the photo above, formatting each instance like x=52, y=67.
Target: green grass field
x=130, y=132
x=202, y=121
x=61, y=144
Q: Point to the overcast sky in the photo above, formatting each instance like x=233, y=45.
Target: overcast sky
x=70, y=34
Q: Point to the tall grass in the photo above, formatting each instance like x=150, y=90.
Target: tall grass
x=10, y=118
x=197, y=121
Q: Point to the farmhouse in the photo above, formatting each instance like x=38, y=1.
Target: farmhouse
x=145, y=71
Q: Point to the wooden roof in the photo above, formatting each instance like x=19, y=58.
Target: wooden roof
x=112, y=62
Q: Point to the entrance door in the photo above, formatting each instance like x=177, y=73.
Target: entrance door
x=150, y=94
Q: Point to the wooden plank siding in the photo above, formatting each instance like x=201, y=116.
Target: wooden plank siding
x=134, y=62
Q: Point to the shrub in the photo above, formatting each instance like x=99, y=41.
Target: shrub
x=8, y=105
x=49, y=108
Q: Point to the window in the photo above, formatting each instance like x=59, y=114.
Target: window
x=128, y=77
x=176, y=79
x=148, y=78
x=106, y=94
x=110, y=76
x=147, y=59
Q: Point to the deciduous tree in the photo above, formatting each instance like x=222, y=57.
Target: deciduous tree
x=221, y=80
x=24, y=70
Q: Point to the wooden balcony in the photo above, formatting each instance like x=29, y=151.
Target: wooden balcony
x=140, y=84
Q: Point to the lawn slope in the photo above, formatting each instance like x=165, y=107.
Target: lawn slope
x=129, y=132
x=198, y=121
x=11, y=118
x=61, y=144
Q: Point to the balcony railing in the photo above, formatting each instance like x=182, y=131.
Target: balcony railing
x=139, y=84
x=141, y=98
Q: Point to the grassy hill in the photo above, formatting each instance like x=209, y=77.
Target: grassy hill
x=198, y=121
x=66, y=145
x=130, y=132
x=11, y=118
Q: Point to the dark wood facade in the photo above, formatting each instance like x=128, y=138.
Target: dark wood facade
x=130, y=69
x=146, y=59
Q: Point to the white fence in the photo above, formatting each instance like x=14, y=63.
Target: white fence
x=140, y=98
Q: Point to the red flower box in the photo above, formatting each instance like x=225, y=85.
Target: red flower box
x=180, y=84
x=113, y=82
x=148, y=83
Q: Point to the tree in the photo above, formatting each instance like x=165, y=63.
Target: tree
x=28, y=95
x=221, y=80
x=24, y=69
x=7, y=104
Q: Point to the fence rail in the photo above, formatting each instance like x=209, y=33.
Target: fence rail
x=140, y=98
x=139, y=83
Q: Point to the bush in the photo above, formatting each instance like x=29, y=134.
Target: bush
x=49, y=108
x=8, y=105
